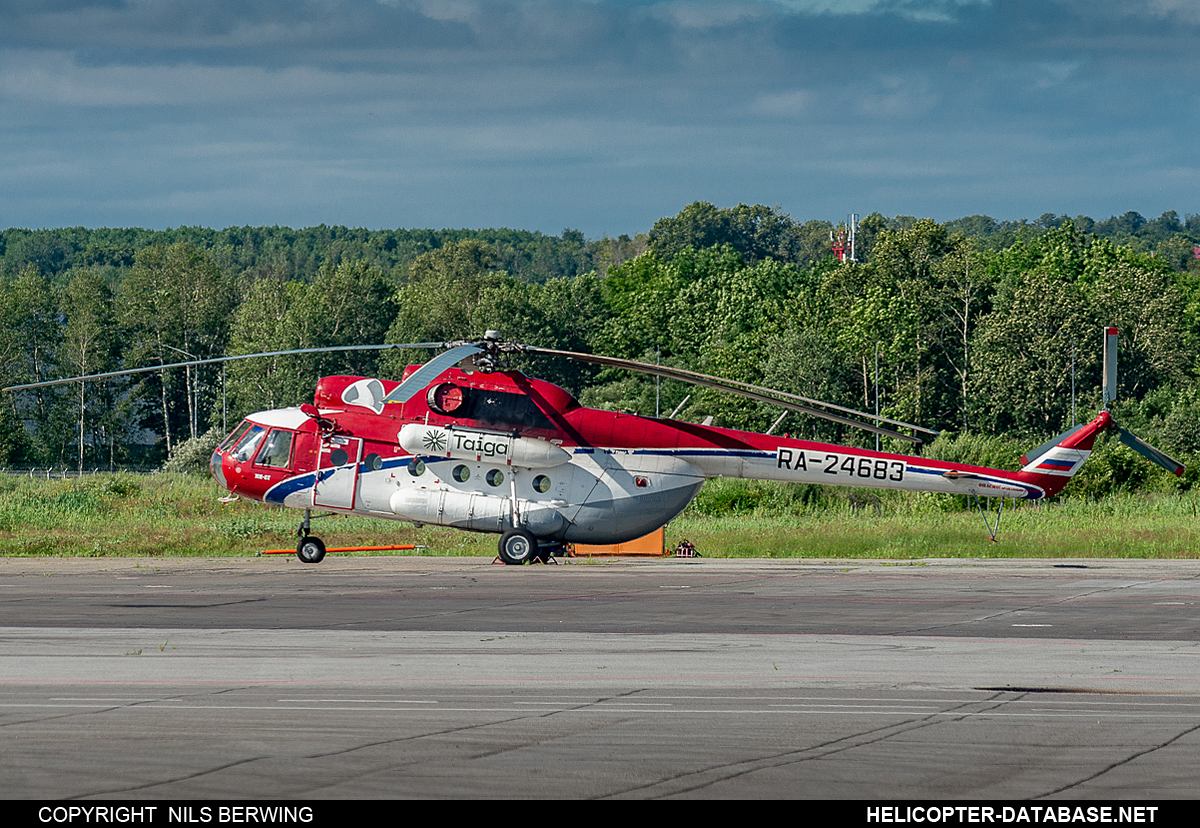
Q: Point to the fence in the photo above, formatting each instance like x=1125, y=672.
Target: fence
x=65, y=472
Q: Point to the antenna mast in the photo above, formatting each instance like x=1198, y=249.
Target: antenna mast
x=842, y=241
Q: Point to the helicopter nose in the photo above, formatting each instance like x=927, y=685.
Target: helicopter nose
x=218, y=472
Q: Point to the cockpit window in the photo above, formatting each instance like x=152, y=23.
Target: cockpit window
x=244, y=448
x=235, y=435
x=277, y=451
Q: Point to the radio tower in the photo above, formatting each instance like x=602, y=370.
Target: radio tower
x=842, y=240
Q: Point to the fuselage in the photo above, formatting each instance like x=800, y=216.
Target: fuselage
x=495, y=451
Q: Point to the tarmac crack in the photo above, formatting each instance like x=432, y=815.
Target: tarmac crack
x=171, y=781
x=550, y=713
x=793, y=757
x=186, y=606
x=448, y=731
x=415, y=736
x=1118, y=764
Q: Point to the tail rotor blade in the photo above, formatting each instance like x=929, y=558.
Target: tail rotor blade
x=1110, y=366
x=1149, y=452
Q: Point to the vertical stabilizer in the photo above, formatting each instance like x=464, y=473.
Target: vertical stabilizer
x=1052, y=465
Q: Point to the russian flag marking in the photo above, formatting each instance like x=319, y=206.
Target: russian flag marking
x=1057, y=465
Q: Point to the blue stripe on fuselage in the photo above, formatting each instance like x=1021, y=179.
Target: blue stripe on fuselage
x=280, y=491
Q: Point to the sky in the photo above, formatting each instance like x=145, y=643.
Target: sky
x=597, y=115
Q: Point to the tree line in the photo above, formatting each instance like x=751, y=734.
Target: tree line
x=973, y=327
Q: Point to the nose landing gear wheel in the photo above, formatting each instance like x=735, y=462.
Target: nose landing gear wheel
x=310, y=550
x=518, y=547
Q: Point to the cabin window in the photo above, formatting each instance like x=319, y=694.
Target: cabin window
x=541, y=483
x=416, y=467
x=278, y=450
x=462, y=474
x=495, y=477
x=245, y=447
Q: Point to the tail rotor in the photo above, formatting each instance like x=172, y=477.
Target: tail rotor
x=1051, y=465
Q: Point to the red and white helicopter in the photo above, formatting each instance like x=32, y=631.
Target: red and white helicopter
x=488, y=449
x=492, y=450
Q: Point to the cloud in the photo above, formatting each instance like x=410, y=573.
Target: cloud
x=545, y=113
x=790, y=103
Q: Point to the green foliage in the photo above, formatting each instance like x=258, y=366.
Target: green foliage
x=973, y=321
x=40, y=505
x=91, y=343
x=721, y=497
x=1180, y=426
x=756, y=232
x=193, y=456
x=175, y=305
x=448, y=296
x=1053, y=296
x=266, y=321
x=29, y=344
x=988, y=450
x=350, y=304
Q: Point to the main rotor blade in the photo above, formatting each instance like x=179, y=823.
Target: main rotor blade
x=754, y=392
x=1150, y=452
x=424, y=375
x=324, y=350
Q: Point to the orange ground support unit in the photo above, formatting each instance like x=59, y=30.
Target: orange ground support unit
x=652, y=545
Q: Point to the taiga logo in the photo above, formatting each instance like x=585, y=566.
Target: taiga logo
x=479, y=445
x=434, y=440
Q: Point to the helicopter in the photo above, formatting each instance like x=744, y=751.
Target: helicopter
x=468, y=442
x=486, y=448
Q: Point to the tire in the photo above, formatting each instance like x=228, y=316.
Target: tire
x=518, y=547
x=310, y=550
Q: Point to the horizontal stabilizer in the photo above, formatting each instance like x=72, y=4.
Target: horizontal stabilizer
x=1149, y=452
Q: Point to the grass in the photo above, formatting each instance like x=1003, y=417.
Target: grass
x=1070, y=531
x=848, y=523
x=179, y=515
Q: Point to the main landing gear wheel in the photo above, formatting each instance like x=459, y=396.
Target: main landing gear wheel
x=310, y=550
x=518, y=547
